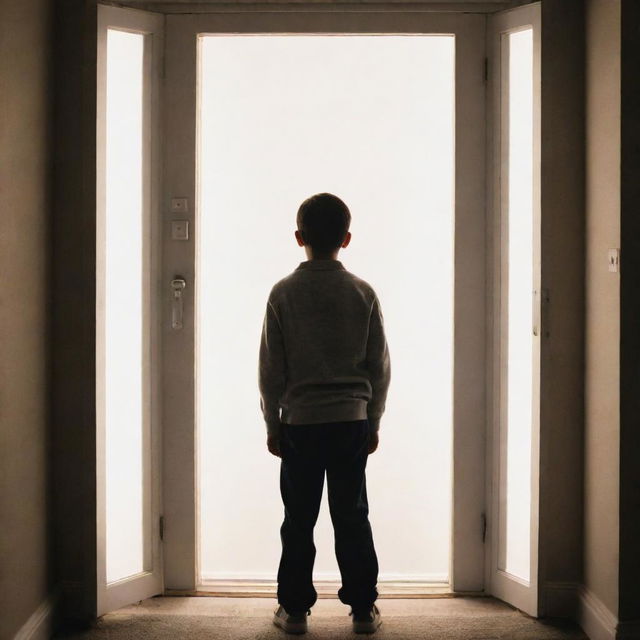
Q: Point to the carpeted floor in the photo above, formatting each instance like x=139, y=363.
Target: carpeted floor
x=250, y=619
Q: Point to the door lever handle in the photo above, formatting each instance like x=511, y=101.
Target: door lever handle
x=177, y=287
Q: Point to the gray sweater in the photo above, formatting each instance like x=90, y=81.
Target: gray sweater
x=323, y=352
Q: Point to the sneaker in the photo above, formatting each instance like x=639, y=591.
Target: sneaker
x=291, y=622
x=366, y=622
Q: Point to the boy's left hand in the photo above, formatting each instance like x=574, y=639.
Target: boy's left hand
x=273, y=444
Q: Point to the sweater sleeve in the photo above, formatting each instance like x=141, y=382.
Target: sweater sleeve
x=378, y=364
x=271, y=370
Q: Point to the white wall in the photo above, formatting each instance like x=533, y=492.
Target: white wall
x=602, y=379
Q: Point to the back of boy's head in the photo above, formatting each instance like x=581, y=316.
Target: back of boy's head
x=323, y=220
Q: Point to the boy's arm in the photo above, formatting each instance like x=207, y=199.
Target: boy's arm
x=271, y=370
x=379, y=365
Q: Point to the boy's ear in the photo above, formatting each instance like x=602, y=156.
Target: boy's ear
x=299, y=238
x=347, y=239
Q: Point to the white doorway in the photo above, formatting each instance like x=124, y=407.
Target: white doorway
x=370, y=118
x=205, y=485
x=202, y=232
x=153, y=464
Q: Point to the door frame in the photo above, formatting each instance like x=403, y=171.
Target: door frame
x=180, y=473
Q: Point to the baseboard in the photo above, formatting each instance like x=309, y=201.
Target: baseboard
x=560, y=599
x=575, y=601
x=39, y=626
x=594, y=617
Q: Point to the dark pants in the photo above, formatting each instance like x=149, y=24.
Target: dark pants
x=340, y=449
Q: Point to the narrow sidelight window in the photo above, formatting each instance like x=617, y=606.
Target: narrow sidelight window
x=122, y=291
x=518, y=205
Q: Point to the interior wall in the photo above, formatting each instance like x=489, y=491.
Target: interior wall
x=602, y=379
x=25, y=182
x=562, y=350
x=73, y=310
x=629, y=586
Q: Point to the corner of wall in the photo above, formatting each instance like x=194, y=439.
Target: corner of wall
x=597, y=621
x=562, y=352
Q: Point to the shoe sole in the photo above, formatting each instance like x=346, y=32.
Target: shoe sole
x=366, y=627
x=290, y=627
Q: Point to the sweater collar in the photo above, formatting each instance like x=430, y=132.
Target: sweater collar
x=321, y=265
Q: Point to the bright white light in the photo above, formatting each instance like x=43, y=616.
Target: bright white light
x=520, y=364
x=371, y=119
x=123, y=321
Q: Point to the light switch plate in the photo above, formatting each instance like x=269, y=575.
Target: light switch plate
x=179, y=205
x=179, y=229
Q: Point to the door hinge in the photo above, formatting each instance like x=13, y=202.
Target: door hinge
x=483, y=519
x=544, y=311
x=161, y=527
x=486, y=69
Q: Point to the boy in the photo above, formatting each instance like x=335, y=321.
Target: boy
x=324, y=360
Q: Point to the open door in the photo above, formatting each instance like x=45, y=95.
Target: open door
x=128, y=449
x=514, y=206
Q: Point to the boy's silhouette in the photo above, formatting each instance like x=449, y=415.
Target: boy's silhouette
x=324, y=361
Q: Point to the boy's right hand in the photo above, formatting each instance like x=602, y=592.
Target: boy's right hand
x=374, y=440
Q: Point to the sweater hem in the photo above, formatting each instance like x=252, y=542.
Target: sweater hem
x=342, y=412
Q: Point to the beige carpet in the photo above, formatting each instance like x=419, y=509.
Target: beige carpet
x=250, y=619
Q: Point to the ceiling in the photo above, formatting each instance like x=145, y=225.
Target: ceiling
x=206, y=6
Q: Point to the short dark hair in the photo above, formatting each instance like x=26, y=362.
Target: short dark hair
x=323, y=220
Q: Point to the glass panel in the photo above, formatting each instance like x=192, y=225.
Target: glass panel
x=520, y=309
x=123, y=295
x=371, y=119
